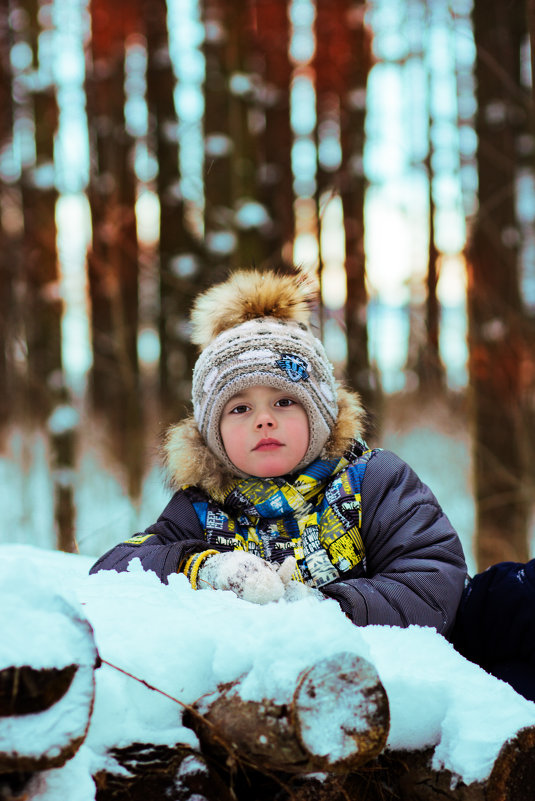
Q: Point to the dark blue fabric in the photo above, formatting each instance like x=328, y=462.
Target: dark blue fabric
x=495, y=625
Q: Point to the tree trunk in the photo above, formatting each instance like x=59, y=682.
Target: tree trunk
x=250, y=221
x=342, y=63
x=428, y=365
x=272, y=43
x=220, y=237
x=113, y=256
x=42, y=304
x=179, y=260
x=46, y=392
x=234, y=223
x=8, y=253
x=353, y=193
x=495, y=311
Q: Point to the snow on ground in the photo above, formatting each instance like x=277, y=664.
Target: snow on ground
x=185, y=643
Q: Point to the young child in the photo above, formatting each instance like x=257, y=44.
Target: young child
x=277, y=495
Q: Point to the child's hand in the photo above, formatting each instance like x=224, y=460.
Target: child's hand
x=295, y=590
x=247, y=575
x=286, y=569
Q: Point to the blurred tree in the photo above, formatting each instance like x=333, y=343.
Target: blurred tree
x=219, y=234
x=531, y=34
x=342, y=62
x=36, y=108
x=271, y=45
x=496, y=339
x=353, y=190
x=429, y=366
x=237, y=224
x=46, y=394
x=251, y=222
x=179, y=261
x=8, y=251
x=113, y=256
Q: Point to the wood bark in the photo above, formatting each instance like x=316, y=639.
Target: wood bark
x=342, y=694
x=401, y=775
x=176, y=774
x=512, y=777
x=238, y=760
x=25, y=690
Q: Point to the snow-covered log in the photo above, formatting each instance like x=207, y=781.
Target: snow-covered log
x=337, y=720
x=158, y=771
x=47, y=661
x=512, y=777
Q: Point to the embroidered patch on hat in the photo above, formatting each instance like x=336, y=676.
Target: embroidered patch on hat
x=294, y=366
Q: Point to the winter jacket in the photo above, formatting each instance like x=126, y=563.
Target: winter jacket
x=412, y=569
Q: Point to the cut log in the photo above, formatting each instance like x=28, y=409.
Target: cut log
x=416, y=780
x=336, y=721
x=513, y=775
x=25, y=690
x=47, y=662
x=159, y=771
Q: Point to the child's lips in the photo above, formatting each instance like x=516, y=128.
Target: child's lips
x=267, y=445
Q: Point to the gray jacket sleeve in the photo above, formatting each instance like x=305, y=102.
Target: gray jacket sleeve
x=164, y=546
x=415, y=568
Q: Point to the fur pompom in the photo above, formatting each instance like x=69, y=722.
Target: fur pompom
x=248, y=295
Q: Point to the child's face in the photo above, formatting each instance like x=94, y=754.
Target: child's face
x=264, y=431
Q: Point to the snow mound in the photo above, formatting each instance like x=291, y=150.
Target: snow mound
x=185, y=643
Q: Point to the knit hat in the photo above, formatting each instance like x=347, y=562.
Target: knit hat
x=253, y=331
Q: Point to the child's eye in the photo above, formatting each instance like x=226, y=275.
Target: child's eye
x=240, y=409
x=286, y=402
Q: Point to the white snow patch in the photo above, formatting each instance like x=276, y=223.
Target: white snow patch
x=185, y=643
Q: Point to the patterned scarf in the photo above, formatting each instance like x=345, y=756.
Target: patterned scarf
x=315, y=517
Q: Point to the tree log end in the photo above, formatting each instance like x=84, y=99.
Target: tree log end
x=513, y=775
x=25, y=690
x=341, y=713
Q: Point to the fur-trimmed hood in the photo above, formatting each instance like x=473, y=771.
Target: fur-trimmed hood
x=189, y=460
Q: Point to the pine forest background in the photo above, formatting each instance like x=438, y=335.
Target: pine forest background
x=147, y=146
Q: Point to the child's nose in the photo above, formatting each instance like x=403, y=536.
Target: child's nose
x=264, y=419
